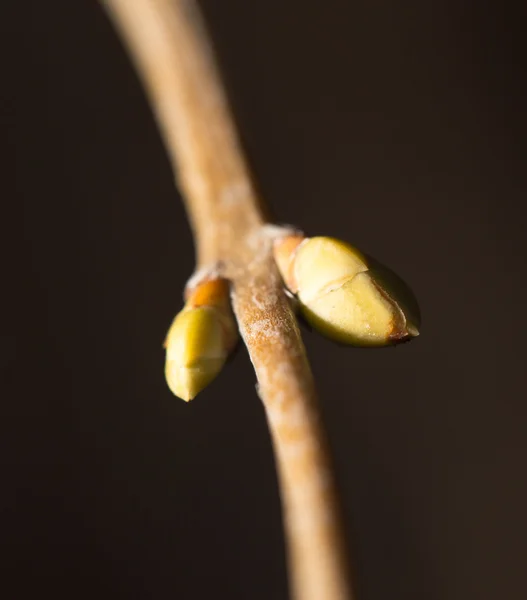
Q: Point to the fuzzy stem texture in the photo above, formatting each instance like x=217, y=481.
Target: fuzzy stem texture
x=169, y=44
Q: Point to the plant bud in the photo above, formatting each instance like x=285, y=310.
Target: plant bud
x=344, y=294
x=200, y=339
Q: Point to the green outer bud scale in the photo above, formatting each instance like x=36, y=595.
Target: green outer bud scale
x=346, y=295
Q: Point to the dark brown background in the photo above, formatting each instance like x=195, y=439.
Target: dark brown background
x=397, y=126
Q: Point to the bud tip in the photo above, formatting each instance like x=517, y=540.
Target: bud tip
x=412, y=330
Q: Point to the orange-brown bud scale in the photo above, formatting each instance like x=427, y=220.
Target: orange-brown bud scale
x=211, y=292
x=284, y=253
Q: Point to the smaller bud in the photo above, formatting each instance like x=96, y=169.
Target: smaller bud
x=346, y=295
x=200, y=339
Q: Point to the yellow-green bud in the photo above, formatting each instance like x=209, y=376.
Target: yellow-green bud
x=199, y=340
x=346, y=295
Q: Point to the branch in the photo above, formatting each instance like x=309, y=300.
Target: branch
x=169, y=44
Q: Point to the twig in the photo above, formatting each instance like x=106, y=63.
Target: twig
x=170, y=47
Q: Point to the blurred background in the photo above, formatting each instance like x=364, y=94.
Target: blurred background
x=396, y=126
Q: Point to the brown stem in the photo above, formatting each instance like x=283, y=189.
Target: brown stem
x=170, y=46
